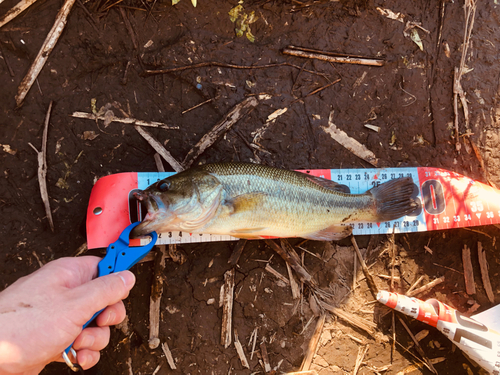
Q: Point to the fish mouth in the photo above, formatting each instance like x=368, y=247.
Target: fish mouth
x=156, y=216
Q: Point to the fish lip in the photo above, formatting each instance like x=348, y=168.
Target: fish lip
x=157, y=212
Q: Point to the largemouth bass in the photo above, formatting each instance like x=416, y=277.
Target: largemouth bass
x=257, y=201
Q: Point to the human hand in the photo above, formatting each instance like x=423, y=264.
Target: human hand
x=43, y=313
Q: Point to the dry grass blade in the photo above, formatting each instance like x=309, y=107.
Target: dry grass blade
x=359, y=360
x=355, y=320
x=313, y=344
x=43, y=54
x=418, y=347
x=366, y=271
x=42, y=168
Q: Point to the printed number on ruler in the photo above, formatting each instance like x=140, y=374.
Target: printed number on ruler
x=361, y=180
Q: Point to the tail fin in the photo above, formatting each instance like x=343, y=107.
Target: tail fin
x=394, y=199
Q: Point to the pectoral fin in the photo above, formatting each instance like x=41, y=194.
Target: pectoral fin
x=245, y=202
x=332, y=233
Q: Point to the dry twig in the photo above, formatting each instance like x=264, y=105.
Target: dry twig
x=42, y=168
x=237, y=251
x=155, y=301
x=235, y=114
x=168, y=355
x=227, y=308
x=483, y=263
x=331, y=57
x=350, y=143
x=470, y=286
x=160, y=149
x=15, y=11
x=45, y=51
x=123, y=120
x=426, y=287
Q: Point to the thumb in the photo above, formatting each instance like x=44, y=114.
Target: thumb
x=101, y=292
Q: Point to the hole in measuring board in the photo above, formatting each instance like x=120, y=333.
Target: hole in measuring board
x=97, y=211
x=123, y=253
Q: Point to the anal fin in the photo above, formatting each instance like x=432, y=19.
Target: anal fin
x=331, y=233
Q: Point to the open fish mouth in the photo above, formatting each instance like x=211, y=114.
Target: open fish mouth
x=156, y=214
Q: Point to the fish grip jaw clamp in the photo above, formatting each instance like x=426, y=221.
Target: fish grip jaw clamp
x=119, y=257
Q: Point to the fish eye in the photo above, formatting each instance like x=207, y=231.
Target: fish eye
x=163, y=186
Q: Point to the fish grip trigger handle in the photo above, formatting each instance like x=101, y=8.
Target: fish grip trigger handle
x=119, y=257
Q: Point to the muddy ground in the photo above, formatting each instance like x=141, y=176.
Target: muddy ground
x=410, y=98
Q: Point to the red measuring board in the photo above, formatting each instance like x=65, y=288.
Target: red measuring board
x=448, y=199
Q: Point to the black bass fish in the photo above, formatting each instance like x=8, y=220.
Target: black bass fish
x=255, y=201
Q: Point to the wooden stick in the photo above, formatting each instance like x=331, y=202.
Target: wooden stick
x=227, y=308
x=359, y=359
x=350, y=143
x=355, y=320
x=123, y=120
x=333, y=59
x=42, y=168
x=369, y=278
x=313, y=344
x=155, y=301
x=15, y=11
x=43, y=54
x=426, y=287
x=470, y=286
x=235, y=114
x=265, y=357
x=418, y=347
x=160, y=149
x=483, y=263
x=168, y=355
x=237, y=251
x=240, y=351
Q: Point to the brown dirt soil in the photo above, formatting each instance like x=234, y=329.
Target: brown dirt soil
x=409, y=98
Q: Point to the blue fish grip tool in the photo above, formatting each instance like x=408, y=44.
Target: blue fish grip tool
x=119, y=257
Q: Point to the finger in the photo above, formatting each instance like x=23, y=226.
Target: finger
x=92, y=338
x=112, y=315
x=87, y=358
x=99, y=293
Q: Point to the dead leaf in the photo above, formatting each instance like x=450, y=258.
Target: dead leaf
x=8, y=150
